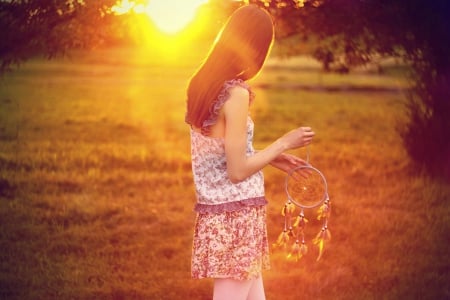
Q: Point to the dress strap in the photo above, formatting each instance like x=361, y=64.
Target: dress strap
x=224, y=95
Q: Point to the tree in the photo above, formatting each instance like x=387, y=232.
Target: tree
x=357, y=31
x=50, y=27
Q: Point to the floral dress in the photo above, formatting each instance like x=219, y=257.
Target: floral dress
x=230, y=236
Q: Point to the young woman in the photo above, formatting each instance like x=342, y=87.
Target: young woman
x=230, y=238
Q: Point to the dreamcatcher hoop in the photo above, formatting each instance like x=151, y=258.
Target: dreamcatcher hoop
x=294, y=226
x=306, y=169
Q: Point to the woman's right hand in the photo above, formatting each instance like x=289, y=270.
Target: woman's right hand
x=297, y=138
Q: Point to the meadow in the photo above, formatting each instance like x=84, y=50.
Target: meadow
x=96, y=192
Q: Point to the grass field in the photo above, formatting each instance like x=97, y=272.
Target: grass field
x=96, y=194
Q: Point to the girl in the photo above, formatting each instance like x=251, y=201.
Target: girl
x=230, y=238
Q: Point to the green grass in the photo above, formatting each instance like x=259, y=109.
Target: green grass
x=96, y=193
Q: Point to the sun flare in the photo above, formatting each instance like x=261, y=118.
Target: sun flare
x=170, y=16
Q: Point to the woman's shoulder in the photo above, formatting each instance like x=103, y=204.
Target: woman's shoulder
x=238, y=91
x=235, y=86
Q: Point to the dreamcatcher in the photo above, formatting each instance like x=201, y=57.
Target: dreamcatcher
x=306, y=188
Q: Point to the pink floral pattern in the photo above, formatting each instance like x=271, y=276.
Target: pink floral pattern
x=230, y=238
x=214, y=191
x=231, y=244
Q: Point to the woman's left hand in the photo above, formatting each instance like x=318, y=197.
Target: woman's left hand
x=287, y=162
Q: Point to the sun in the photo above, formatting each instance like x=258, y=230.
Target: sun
x=170, y=16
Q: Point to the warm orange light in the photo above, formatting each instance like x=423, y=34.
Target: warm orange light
x=123, y=7
x=170, y=16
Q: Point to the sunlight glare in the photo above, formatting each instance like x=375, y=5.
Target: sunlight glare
x=170, y=16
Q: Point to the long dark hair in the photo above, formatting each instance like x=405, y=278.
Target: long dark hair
x=239, y=52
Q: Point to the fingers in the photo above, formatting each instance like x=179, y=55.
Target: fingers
x=299, y=137
x=299, y=162
x=301, y=173
x=306, y=135
x=295, y=161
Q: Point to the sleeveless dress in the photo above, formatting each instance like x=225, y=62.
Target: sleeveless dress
x=230, y=236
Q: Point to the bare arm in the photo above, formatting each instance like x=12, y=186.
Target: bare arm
x=239, y=166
